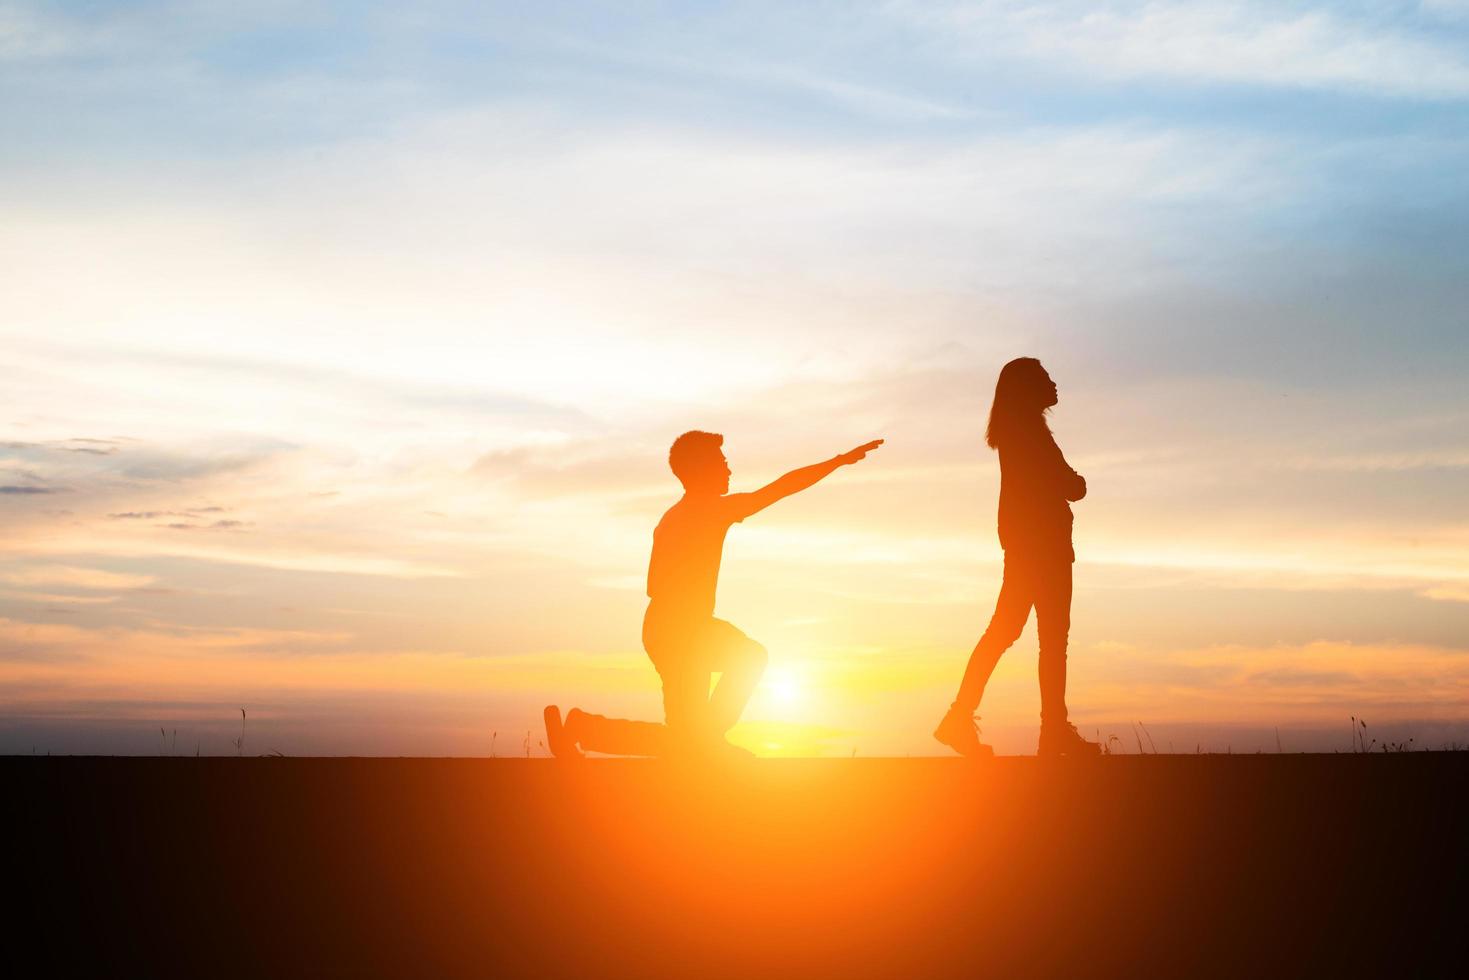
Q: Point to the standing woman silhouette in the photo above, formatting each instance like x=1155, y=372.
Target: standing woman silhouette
x=1036, y=487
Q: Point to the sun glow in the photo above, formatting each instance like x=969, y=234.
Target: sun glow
x=786, y=687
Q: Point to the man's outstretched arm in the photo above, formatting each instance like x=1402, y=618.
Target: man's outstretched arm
x=797, y=480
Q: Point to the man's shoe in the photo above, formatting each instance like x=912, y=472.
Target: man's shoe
x=1064, y=739
x=960, y=731
x=723, y=750
x=558, y=739
x=704, y=750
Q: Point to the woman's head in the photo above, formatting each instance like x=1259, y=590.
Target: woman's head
x=1022, y=395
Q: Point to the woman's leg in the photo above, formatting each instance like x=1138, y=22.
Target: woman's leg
x=1053, y=623
x=1012, y=608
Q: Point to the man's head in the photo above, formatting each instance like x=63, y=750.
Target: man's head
x=698, y=461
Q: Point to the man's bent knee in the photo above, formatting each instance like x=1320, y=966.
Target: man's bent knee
x=754, y=657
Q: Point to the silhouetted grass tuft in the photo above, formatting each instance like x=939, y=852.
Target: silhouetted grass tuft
x=1149, y=736
x=239, y=743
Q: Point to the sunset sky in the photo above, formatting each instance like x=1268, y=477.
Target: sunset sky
x=343, y=345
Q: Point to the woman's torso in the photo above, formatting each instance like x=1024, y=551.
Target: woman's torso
x=1034, y=514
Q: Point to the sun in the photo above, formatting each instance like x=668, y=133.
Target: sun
x=785, y=687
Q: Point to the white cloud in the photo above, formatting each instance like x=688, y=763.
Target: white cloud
x=1263, y=44
x=79, y=578
x=25, y=34
x=1447, y=9
x=1448, y=458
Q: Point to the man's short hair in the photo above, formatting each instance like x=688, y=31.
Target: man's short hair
x=691, y=451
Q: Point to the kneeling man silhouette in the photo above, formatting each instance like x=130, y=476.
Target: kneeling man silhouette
x=681, y=635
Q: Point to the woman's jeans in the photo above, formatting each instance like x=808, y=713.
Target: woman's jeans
x=1042, y=581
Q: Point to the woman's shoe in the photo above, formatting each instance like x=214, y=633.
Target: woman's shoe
x=1064, y=739
x=960, y=731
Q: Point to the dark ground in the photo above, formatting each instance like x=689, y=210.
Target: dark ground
x=1302, y=865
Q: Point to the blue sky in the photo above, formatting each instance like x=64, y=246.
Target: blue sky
x=396, y=310
x=1309, y=152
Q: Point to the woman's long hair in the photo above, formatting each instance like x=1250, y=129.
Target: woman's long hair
x=1018, y=408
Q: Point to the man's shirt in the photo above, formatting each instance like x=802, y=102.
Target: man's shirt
x=688, y=545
